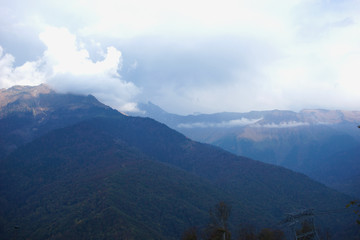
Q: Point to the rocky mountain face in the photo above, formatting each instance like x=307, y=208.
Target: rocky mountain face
x=90, y=172
x=308, y=141
x=28, y=112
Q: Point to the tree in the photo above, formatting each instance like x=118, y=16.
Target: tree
x=355, y=204
x=218, y=227
x=269, y=234
x=190, y=234
x=247, y=232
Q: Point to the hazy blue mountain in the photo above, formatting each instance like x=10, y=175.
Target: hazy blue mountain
x=112, y=176
x=338, y=168
x=310, y=141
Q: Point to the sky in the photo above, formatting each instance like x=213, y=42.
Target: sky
x=187, y=56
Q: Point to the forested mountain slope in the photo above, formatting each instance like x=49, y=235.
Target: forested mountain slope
x=106, y=176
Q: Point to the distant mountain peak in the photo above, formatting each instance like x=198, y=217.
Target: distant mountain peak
x=29, y=111
x=329, y=116
x=24, y=92
x=41, y=98
x=150, y=107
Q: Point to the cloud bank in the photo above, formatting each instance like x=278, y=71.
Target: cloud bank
x=192, y=56
x=224, y=124
x=243, y=122
x=290, y=124
x=67, y=67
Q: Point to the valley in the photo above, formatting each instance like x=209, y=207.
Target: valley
x=319, y=143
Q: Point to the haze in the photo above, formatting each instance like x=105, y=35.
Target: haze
x=187, y=56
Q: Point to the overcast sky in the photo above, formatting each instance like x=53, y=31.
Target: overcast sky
x=187, y=56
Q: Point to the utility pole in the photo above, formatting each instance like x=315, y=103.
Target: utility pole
x=302, y=224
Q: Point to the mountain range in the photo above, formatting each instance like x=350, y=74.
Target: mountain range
x=74, y=168
x=323, y=144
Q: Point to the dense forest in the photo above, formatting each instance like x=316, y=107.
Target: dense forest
x=77, y=169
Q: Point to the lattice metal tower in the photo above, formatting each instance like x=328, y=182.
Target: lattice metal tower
x=302, y=224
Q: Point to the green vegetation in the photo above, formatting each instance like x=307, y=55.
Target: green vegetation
x=89, y=172
x=134, y=177
x=87, y=185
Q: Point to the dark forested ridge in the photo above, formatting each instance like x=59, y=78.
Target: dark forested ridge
x=113, y=176
x=80, y=183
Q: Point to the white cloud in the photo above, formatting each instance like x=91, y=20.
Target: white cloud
x=67, y=67
x=27, y=74
x=203, y=55
x=66, y=55
x=202, y=17
x=224, y=124
x=282, y=124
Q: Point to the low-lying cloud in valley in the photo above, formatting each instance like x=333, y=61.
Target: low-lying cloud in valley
x=282, y=124
x=242, y=123
x=224, y=124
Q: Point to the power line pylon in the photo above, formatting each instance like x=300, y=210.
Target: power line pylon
x=302, y=224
